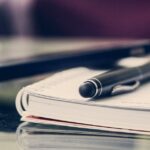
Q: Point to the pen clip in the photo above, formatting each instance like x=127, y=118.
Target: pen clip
x=125, y=88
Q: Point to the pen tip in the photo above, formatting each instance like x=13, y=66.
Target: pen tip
x=87, y=89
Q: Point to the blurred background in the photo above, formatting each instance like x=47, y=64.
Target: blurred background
x=84, y=18
x=33, y=27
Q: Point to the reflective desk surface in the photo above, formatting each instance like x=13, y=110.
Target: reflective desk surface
x=15, y=135
x=8, y=123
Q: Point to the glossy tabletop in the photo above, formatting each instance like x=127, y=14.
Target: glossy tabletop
x=15, y=135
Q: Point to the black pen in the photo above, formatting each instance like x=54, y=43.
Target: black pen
x=115, y=81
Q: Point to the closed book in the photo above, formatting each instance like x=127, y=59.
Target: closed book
x=56, y=100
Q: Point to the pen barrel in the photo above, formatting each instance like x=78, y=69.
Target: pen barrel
x=109, y=80
x=145, y=71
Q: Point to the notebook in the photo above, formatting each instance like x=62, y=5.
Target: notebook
x=56, y=100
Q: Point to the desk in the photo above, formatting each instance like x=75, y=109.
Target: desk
x=62, y=138
x=54, y=137
x=10, y=120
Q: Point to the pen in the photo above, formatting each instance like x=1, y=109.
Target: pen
x=115, y=81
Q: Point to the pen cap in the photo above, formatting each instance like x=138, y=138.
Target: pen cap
x=87, y=89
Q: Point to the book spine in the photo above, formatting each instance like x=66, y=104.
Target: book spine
x=21, y=101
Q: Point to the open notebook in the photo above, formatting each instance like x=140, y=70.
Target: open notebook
x=56, y=100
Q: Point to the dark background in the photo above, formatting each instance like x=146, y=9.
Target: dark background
x=86, y=18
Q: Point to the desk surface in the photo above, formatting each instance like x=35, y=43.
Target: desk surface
x=10, y=120
x=61, y=138
x=52, y=137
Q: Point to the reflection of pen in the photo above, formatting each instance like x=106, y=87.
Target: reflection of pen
x=115, y=82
